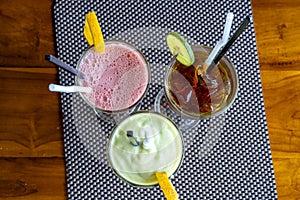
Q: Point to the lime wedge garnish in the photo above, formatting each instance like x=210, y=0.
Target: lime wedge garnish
x=166, y=186
x=180, y=48
x=93, y=33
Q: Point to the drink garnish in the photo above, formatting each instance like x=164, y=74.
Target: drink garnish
x=180, y=48
x=93, y=33
x=166, y=186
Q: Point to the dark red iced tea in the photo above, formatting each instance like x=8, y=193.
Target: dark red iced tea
x=196, y=95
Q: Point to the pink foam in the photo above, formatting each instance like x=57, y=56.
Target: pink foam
x=119, y=77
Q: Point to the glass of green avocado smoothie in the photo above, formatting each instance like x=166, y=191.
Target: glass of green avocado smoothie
x=144, y=143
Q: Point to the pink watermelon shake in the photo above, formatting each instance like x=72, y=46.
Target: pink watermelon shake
x=119, y=77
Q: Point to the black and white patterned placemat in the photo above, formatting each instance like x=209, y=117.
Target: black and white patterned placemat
x=226, y=157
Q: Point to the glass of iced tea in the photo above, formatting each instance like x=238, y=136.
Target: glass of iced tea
x=191, y=92
x=197, y=95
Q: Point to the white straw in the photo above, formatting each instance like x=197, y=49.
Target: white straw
x=147, y=143
x=223, y=41
x=227, y=27
x=60, y=88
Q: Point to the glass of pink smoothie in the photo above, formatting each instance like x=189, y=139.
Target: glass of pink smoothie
x=119, y=78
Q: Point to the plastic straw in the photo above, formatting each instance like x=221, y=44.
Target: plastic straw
x=133, y=140
x=60, y=88
x=147, y=143
x=221, y=53
x=67, y=67
x=223, y=41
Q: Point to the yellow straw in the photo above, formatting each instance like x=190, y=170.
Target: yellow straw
x=166, y=186
x=93, y=33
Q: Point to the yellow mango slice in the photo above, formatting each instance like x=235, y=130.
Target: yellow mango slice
x=166, y=186
x=93, y=33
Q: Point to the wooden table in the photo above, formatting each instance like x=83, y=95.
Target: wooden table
x=31, y=145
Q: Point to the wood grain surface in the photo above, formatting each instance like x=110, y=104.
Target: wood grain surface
x=31, y=142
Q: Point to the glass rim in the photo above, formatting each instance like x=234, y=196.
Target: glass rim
x=230, y=68
x=96, y=108
x=110, y=137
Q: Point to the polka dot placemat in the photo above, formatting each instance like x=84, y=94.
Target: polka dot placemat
x=226, y=157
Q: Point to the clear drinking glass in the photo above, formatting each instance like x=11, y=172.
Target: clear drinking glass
x=192, y=95
x=119, y=79
x=143, y=143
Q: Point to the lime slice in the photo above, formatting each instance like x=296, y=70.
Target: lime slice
x=93, y=33
x=166, y=186
x=180, y=48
